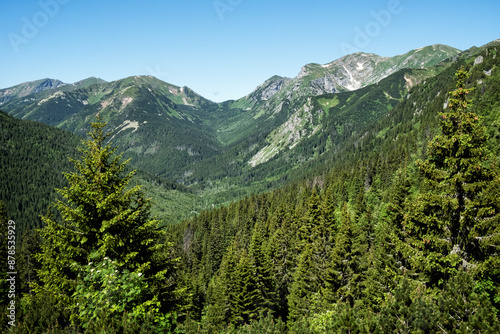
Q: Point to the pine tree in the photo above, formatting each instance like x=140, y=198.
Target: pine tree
x=452, y=225
x=322, y=236
x=303, y=288
x=222, y=289
x=281, y=251
x=311, y=218
x=261, y=268
x=390, y=233
x=248, y=297
x=344, y=273
x=103, y=216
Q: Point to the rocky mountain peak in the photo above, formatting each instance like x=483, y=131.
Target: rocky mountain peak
x=28, y=88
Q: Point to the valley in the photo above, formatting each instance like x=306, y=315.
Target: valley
x=361, y=192
x=223, y=151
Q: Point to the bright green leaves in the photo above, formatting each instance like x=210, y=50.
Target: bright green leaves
x=105, y=290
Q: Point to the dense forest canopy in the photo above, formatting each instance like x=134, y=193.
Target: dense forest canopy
x=395, y=230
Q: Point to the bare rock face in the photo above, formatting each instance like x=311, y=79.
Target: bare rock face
x=348, y=73
x=273, y=88
x=268, y=89
x=358, y=70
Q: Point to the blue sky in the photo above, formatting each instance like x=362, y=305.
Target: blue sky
x=222, y=49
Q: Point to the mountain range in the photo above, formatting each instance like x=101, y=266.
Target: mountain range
x=351, y=189
x=281, y=131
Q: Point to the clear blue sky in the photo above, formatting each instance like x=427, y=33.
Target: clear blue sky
x=222, y=49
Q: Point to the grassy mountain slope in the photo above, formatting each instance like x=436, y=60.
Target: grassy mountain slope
x=159, y=125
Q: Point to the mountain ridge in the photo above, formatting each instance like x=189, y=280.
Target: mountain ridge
x=40, y=85
x=236, y=147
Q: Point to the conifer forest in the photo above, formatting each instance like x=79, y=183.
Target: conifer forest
x=391, y=226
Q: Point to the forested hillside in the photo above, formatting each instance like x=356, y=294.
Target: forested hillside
x=33, y=157
x=403, y=222
x=224, y=151
x=389, y=222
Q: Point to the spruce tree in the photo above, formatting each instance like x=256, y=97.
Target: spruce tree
x=248, y=297
x=344, y=277
x=453, y=224
x=311, y=218
x=322, y=236
x=103, y=216
x=283, y=258
x=303, y=288
x=390, y=232
x=221, y=294
x=261, y=270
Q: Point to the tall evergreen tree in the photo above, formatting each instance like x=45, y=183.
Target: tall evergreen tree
x=304, y=286
x=102, y=215
x=390, y=231
x=323, y=234
x=261, y=270
x=281, y=251
x=222, y=289
x=344, y=272
x=311, y=218
x=248, y=296
x=452, y=225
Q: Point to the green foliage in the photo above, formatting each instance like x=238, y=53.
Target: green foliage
x=446, y=225
x=343, y=270
x=304, y=286
x=103, y=218
x=247, y=296
x=370, y=242
x=103, y=291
